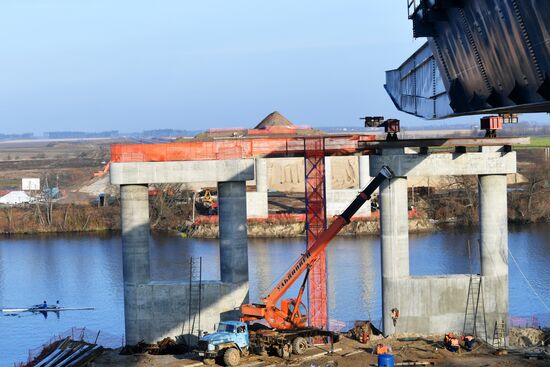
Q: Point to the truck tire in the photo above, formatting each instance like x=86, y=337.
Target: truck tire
x=284, y=351
x=299, y=345
x=231, y=357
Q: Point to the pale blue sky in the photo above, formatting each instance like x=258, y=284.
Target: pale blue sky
x=135, y=65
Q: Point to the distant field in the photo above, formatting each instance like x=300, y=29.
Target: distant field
x=537, y=142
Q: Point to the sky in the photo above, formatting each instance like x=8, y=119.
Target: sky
x=136, y=65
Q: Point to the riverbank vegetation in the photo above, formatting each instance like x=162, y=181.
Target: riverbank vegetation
x=172, y=207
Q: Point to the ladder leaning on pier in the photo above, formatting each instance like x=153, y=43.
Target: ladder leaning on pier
x=195, y=298
x=473, y=316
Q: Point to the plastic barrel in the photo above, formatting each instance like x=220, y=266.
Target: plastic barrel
x=385, y=360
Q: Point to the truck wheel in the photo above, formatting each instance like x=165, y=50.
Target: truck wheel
x=209, y=361
x=299, y=345
x=284, y=351
x=231, y=357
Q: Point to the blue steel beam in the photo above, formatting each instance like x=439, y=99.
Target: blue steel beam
x=482, y=56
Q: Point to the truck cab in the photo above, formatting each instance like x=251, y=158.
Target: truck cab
x=230, y=342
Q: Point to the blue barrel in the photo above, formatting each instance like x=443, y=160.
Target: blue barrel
x=385, y=360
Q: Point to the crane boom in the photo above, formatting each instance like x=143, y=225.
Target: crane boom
x=280, y=318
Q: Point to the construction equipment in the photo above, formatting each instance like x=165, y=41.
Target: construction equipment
x=206, y=202
x=292, y=313
x=391, y=126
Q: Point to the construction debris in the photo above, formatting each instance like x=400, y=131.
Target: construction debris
x=67, y=353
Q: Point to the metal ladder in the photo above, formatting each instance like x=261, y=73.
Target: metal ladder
x=499, y=341
x=473, y=302
x=195, y=297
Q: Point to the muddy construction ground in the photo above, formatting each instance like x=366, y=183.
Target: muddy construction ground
x=350, y=353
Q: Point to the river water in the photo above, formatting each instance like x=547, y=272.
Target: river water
x=86, y=270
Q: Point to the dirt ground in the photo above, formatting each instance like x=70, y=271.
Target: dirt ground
x=348, y=353
x=67, y=164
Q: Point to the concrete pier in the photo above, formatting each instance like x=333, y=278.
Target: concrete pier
x=394, y=238
x=493, y=210
x=155, y=310
x=135, y=253
x=437, y=304
x=233, y=231
x=364, y=171
x=257, y=202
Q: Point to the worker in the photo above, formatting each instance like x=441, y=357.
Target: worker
x=383, y=349
x=469, y=342
x=451, y=342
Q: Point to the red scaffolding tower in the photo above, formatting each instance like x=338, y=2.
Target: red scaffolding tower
x=316, y=222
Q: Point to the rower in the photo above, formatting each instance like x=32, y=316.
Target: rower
x=44, y=305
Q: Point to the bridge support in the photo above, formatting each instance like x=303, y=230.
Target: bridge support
x=257, y=202
x=135, y=254
x=437, y=304
x=155, y=310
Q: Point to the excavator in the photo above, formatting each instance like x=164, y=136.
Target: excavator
x=292, y=313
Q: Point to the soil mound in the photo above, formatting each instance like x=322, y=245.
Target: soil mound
x=274, y=119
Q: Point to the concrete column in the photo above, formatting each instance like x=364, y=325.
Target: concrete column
x=135, y=254
x=233, y=231
x=328, y=174
x=261, y=175
x=364, y=171
x=394, y=236
x=493, y=217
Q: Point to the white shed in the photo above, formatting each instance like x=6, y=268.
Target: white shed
x=15, y=197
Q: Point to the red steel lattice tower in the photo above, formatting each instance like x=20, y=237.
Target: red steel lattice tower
x=316, y=222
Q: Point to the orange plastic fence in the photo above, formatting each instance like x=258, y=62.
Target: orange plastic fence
x=230, y=149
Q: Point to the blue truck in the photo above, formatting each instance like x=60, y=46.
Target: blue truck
x=234, y=340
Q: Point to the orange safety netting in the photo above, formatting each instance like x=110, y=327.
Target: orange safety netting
x=231, y=149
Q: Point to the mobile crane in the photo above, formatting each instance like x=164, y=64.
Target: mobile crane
x=289, y=331
x=292, y=313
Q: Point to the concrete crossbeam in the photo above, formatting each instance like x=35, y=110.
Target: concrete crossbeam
x=446, y=164
x=181, y=171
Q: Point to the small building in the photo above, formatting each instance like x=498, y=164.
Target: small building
x=15, y=197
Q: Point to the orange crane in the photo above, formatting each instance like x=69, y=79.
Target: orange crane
x=292, y=312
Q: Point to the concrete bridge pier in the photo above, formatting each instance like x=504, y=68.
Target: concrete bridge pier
x=257, y=201
x=153, y=309
x=434, y=304
x=493, y=216
x=233, y=231
x=394, y=239
x=135, y=253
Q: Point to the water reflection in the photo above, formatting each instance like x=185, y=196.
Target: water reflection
x=85, y=270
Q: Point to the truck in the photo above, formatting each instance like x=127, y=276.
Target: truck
x=281, y=329
x=236, y=339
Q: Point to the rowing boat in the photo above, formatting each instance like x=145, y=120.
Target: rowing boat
x=47, y=309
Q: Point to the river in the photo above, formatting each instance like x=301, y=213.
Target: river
x=86, y=270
